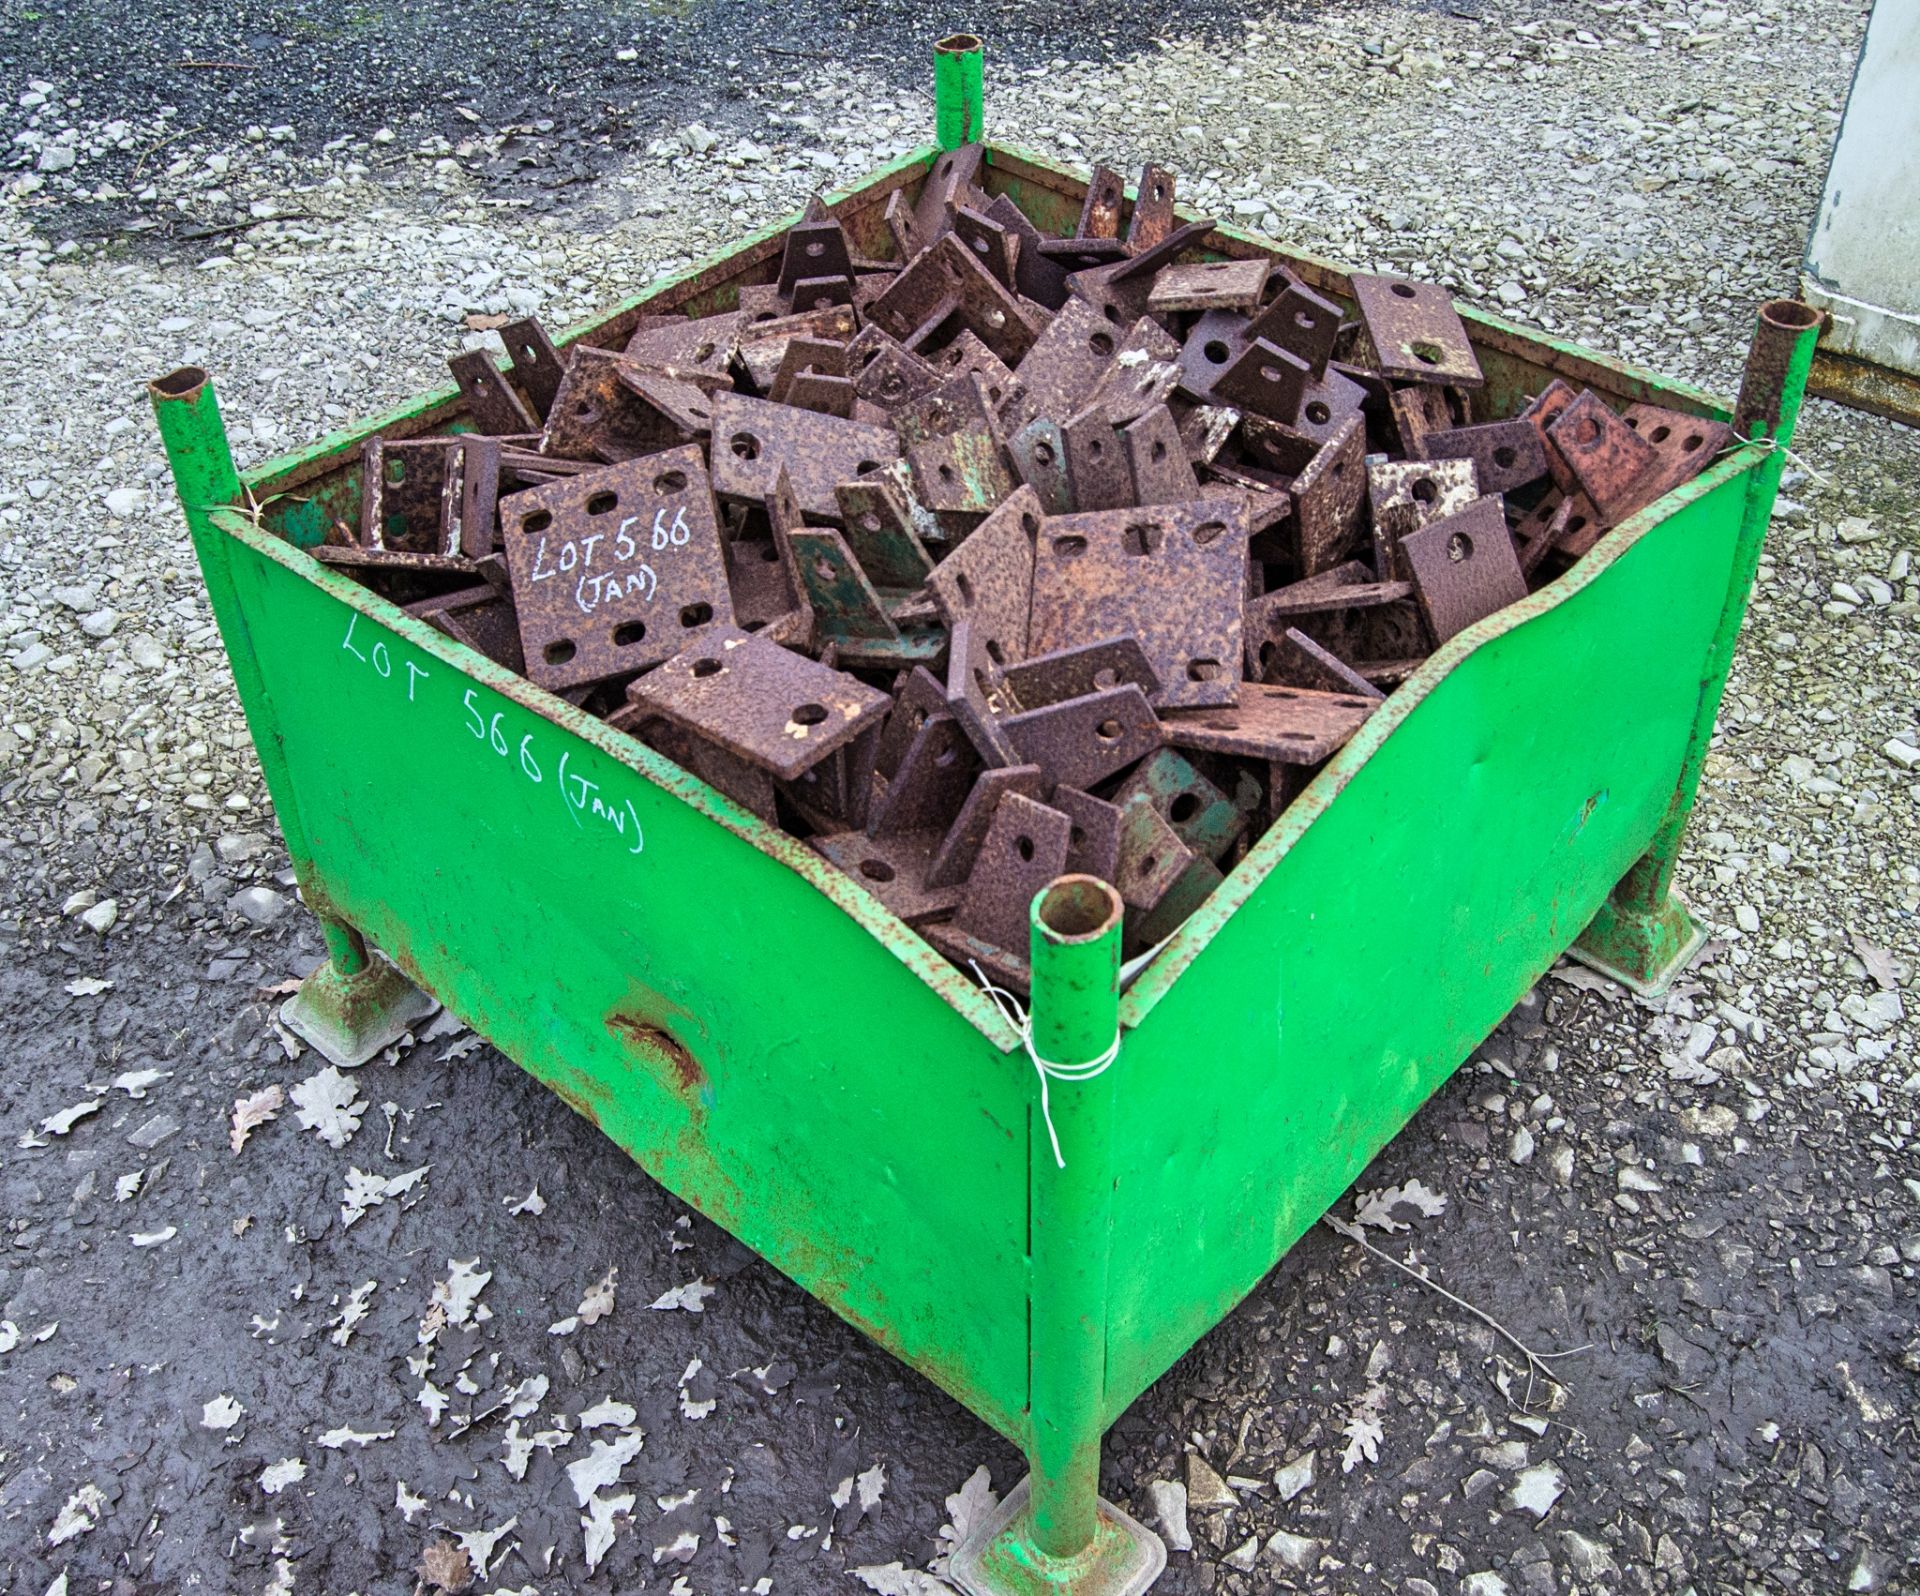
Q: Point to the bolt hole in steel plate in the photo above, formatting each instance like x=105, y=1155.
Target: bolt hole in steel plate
x=603, y=564
x=1416, y=333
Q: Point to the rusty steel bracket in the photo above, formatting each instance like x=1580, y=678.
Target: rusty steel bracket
x=1157, y=459
x=1172, y=576
x=988, y=579
x=536, y=366
x=1506, y=454
x=1416, y=334
x=773, y=708
x=615, y=570
x=1329, y=498
x=846, y=606
x=1547, y=407
x=951, y=183
x=1144, y=373
x=1152, y=856
x=491, y=400
x=763, y=344
x=967, y=356
x=894, y=870
x=1419, y=410
x=880, y=532
x=1327, y=405
x=959, y=848
x=1464, y=567
x=1265, y=379
x=1194, y=887
x=1298, y=661
x=409, y=488
x=1035, y=276
x=1025, y=848
x=952, y=440
x=1283, y=725
x=598, y=415
x=1100, y=211
x=931, y=782
x=1683, y=446
x=948, y=283
x=885, y=373
x=1039, y=455
x=997, y=245
x=804, y=356
x=703, y=345
x=1093, y=845
x=1068, y=359
x=481, y=617
x=1080, y=742
x=754, y=438
x=1301, y=322
x=1197, y=811
x=747, y=785
x=1406, y=495
x=1152, y=217
x=816, y=247
x=1611, y=462
x=1097, y=474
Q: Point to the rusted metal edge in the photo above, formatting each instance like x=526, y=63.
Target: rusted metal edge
x=1865, y=385
x=1615, y=378
x=427, y=412
x=905, y=945
x=1267, y=852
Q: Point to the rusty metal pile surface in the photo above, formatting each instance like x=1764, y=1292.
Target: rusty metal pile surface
x=1006, y=555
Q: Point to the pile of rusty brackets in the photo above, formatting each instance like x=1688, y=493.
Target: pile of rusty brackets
x=1007, y=555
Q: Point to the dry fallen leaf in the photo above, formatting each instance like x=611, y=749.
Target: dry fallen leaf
x=253, y=1111
x=692, y=1297
x=327, y=1104
x=598, y=1302
x=1362, y=1429
x=1376, y=1207
x=446, y=1567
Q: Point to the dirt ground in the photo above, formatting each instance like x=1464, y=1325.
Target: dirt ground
x=306, y=1364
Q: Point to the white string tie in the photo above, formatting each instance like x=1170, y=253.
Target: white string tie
x=1772, y=445
x=1015, y=1015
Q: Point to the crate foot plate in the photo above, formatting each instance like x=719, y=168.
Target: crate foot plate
x=997, y=1559
x=347, y=1019
x=1641, y=949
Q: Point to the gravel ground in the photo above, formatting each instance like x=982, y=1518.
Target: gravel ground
x=220, y=1381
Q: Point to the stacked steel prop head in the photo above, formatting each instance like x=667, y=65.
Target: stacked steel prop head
x=1010, y=555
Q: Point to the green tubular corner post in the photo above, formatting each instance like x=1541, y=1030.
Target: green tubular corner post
x=959, y=107
x=1053, y=1532
x=356, y=1003
x=1643, y=935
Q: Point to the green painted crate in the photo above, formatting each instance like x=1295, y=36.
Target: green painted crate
x=772, y=1046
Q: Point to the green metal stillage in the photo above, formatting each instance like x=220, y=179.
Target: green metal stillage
x=697, y=983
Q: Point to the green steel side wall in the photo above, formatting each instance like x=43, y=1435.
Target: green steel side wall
x=1463, y=841
x=831, y=1108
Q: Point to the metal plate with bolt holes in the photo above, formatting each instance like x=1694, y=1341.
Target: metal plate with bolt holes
x=1074, y=672
x=893, y=869
x=1683, y=445
x=1144, y=373
x=617, y=569
x=953, y=860
x=1419, y=410
x=1097, y=475
x=1289, y=725
x=1173, y=576
x=1201, y=815
x=774, y=708
x=1265, y=379
x=814, y=249
x=1505, y=454
x=989, y=578
x=921, y=696
x=1327, y=403
x=1209, y=285
x=1100, y=211
x=1464, y=567
x=1039, y=454
x=1611, y=462
x=483, y=619
x=1407, y=494
x=1066, y=360
x=1417, y=335
x=1547, y=407
x=881, y=534
x=846, y=606
x=1079, y=742
x=1025, y=848
x=702, y=345
x=885, y=373
x=408, y=489
x=754, y=438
